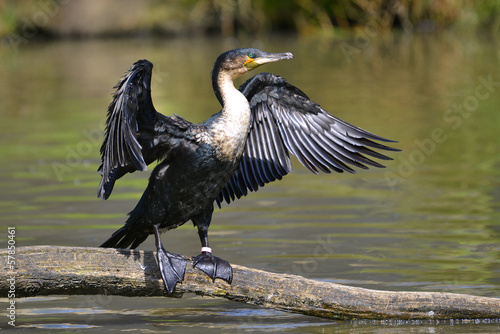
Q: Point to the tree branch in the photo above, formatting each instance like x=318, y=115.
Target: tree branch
x=47, y=270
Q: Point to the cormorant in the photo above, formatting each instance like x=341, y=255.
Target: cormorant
x=239, y=149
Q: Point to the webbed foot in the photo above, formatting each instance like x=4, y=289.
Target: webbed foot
x=214, y=266
x=172, y=268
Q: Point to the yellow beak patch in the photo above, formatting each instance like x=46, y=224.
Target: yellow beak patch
x=250, y=63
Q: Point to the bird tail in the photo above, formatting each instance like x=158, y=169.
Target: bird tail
x=125, y=237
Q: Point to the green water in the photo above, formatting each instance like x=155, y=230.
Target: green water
x=428, y=222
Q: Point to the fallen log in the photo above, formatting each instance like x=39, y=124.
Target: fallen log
x=49, y=270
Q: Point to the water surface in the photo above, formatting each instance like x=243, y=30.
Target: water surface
x=427, y=222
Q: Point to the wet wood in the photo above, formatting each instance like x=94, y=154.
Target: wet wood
x=49, y=270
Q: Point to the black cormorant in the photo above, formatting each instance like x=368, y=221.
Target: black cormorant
x=239, y=149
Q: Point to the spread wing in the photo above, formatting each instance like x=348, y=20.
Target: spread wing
x=136, y=134
x=285, y=120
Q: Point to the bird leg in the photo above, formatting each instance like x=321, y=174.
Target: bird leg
x=213, y=266
x=172, y=266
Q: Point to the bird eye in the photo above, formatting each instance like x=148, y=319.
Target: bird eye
x=251, y=55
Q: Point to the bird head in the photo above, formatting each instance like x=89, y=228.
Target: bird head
x=239, y=61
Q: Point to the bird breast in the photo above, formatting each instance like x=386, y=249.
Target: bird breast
x=231, y=130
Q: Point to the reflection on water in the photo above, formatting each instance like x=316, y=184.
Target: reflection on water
x=427, y=222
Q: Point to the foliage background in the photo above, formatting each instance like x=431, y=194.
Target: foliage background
x=95, y=18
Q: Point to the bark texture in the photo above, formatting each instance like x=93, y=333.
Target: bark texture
x=49, y=270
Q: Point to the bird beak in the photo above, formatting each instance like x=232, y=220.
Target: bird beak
x=252, y=63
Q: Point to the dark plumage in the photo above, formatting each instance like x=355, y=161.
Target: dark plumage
x=239, y=149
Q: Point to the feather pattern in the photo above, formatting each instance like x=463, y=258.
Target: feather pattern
x=285, y=120
x=136, y=134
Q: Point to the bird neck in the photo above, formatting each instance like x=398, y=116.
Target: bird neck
x=230, y=127
x=234, y=103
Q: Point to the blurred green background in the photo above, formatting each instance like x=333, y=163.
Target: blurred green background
x=234, y=17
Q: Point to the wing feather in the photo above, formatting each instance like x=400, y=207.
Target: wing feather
x=285, y=120
x=136, y=135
